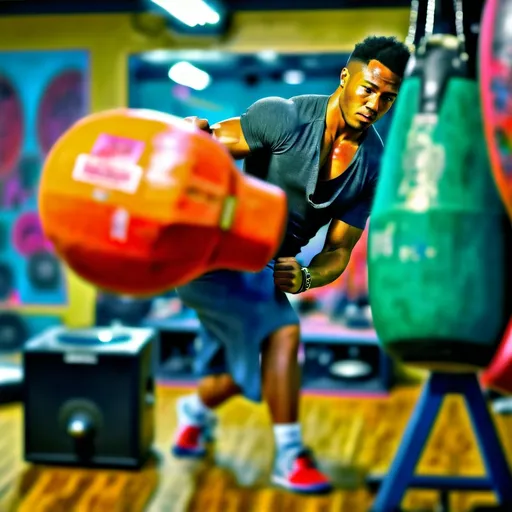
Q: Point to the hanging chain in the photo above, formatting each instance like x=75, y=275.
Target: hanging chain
x=458, y=7
x=413, y=23
x=429, y=22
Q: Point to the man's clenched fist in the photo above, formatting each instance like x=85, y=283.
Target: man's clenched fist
x=288, y=275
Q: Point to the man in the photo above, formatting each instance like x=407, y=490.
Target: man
x=324, y=153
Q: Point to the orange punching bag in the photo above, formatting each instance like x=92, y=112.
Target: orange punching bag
x=138, y=202
x=496, y=92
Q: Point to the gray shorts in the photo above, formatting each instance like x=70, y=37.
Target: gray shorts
x=237, y=312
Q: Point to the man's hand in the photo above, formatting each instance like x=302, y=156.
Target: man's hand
x=202, y=124
x=288, y=275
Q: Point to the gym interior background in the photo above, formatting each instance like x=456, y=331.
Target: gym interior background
x=59, y=62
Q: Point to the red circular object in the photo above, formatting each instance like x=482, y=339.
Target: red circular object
x=498, y=375
x=27, y=234
x=63, y=103
x=495, y=88
x=11, y=126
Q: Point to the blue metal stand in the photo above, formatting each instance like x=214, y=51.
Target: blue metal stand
x=401, y=474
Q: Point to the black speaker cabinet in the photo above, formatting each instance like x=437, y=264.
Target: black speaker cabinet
x=89, y=397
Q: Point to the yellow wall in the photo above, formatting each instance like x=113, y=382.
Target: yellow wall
x=110, y=39
x=313, y=31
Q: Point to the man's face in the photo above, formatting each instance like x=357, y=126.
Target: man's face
x=369, y=91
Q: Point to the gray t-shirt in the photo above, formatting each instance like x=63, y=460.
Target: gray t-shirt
x=285, y=138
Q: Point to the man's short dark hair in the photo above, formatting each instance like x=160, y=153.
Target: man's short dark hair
x=387, y=50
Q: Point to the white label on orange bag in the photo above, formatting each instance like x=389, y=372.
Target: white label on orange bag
x=108, y=173
x=119, y=225
x=170, y=152
x=112, y=164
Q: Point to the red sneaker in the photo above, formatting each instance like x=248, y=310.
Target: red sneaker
x=189, y=442
x=195, y=433
x=296, y=470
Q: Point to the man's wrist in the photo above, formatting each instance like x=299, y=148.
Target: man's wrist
x=306, y=280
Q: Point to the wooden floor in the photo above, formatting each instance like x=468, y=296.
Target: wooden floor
x=351, y=436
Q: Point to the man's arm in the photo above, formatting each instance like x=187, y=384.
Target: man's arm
x=268, y=123
x=332, y=261
x=229, y=133
x=326, y=266
x=341, y=239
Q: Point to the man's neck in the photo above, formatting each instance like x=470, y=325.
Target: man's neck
x=335, y=126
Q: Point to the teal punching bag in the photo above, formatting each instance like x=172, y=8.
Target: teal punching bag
x=436, y=239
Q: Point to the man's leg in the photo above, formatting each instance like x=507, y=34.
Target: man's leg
x=294, y=467
x=214, y=390
x=280, y=374
x=280, y=389
x=196, y=418
x=280, y=378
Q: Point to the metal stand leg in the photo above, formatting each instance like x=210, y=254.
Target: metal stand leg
x=401, y=475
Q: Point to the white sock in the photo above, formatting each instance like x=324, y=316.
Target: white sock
x=192, y=410
x=287, y=435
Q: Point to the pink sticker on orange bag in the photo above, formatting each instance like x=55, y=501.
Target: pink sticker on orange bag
x=118, y=148
x=112, y=164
